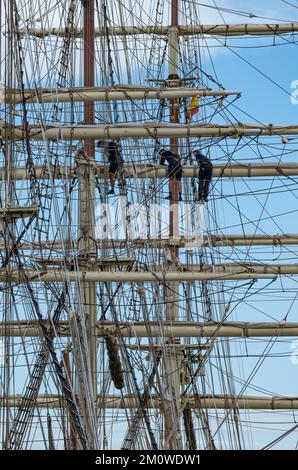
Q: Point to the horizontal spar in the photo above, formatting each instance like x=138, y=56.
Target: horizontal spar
x=141, y=131
x=211, y=240
x=124, y=276
x=189, y=30
x=184, y=273
x=119, y=93
x=275, y=269
x=144, y=171
x=194, y=402
x=163, y=329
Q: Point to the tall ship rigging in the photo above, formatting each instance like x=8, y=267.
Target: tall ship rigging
x=141, y=307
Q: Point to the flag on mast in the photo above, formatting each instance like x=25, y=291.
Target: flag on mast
x=193, y=107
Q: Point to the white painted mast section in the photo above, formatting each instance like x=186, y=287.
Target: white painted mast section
x=152, y=329
x=226, y=30
x=144, y=131
x=117, y=92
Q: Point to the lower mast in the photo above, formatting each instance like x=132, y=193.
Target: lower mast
x=172, y=360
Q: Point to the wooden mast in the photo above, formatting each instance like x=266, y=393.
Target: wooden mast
x=172, y=356
x=86, y=218
x=87, y=222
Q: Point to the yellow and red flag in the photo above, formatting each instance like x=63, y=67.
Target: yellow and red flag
x=193, y=107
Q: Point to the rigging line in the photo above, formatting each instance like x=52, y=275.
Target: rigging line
x=239, y=12
x=134, y=426
x=202, y=414
x=250, y=116
x=259, y=46
x=145, y=44
x=126, y=355
x=136, y=15
x=64, y=212
x=270, y=192
x=219, y=11
x=132, y=51
x=262, y=192
x=246, y=295
x=252, y=221
x=289, y=3
x=204, y=39
x=103, y=315
x=144, y=411
x=14, y=249
x=68, y=393
x=252, y=374
x=207, y=75
x=110, y=59
x=255, y=68
x=30, y=164
x=35, y=186
x=24, y=415
x=225, y=316
x=264, y=210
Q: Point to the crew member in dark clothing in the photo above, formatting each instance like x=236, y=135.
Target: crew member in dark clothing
x=112, y=150
x=174, y=168
x=205, y=174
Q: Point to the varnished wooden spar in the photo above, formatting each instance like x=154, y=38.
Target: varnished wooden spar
x=226, y=30
x=154, y=329
x=193, y=402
